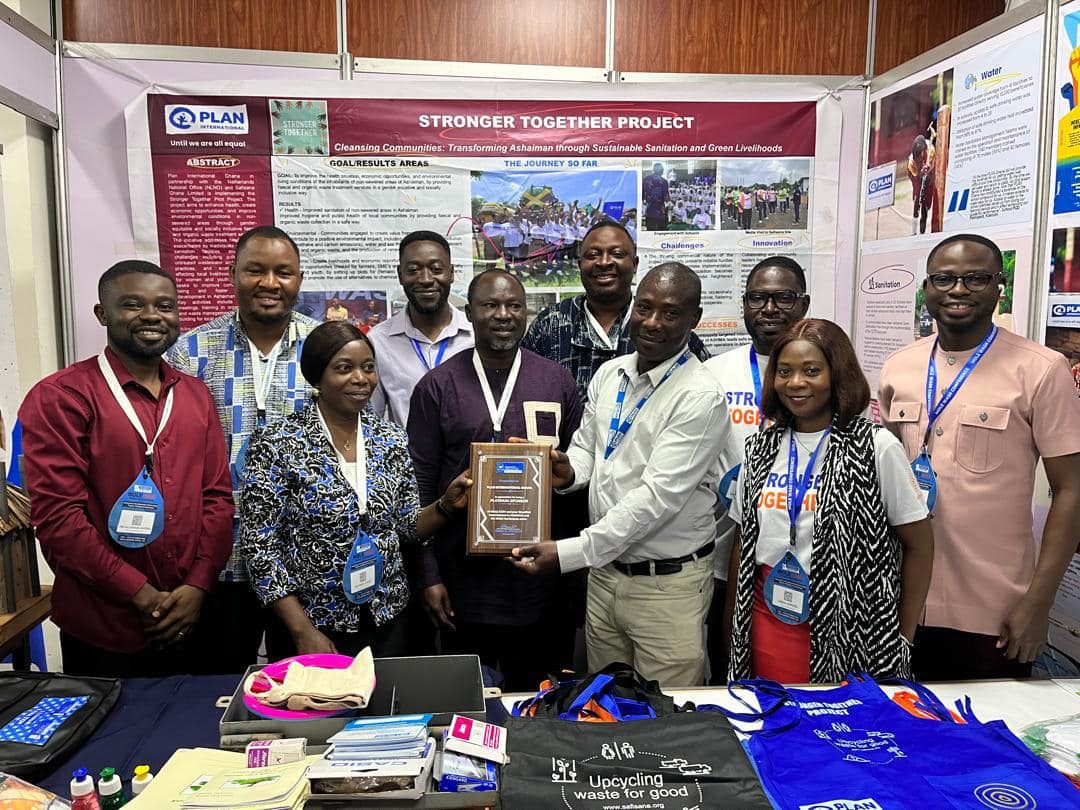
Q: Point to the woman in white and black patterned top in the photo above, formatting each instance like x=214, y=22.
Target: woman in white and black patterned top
x=832, y=562
x=300, y=507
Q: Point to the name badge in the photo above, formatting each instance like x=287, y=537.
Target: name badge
x=726, y=488
x=363, y=570
x=926, y=478
x=137, y=518
x=237, y=467
x=787, y=591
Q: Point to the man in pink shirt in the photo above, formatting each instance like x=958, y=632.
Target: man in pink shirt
x=1000, y=403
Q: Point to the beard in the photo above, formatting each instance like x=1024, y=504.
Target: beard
x=502, y=344
x=129, y=345
x=429, y=307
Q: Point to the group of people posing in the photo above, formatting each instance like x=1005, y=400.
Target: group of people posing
x=267, y=478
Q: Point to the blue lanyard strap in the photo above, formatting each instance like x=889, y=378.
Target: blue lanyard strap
x=798, y=487
x=619, y=429
x=755, y=372
x=934, y=411
x=420, y=352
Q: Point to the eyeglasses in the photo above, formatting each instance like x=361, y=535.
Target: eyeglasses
x=975, y=282
x=784, y=299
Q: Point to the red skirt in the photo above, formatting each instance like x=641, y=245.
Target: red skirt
x=778, y=651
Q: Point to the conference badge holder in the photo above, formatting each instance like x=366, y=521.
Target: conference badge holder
x=137, y=518
x=926, y=478
x=726, y=488
x=363, y=570
x=787, y=591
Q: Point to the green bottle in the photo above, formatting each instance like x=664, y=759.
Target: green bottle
x=111, y=790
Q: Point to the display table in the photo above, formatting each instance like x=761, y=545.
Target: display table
x=15, y=627
x=154, y=717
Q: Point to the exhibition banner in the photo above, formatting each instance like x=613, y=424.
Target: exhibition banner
x=1061, y=323
x=952, y=149
x=513, y=184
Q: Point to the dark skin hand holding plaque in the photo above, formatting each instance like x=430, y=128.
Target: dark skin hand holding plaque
x=510, y=502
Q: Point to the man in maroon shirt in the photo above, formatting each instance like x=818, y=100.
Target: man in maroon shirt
x=128, y=591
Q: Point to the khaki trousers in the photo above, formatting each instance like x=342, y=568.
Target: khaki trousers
x=653, y=623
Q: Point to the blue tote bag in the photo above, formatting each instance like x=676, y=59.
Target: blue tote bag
x=852, y=748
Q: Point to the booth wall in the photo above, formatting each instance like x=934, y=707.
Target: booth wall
x=778, y=37
x=807, y=37
x=529, y=32
x=907, y=28
x=95, y=94
x=269, y=25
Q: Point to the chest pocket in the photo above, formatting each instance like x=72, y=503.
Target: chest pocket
x=980, y=437
x=906, y=416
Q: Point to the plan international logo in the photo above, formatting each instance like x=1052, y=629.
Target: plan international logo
x=188, y=119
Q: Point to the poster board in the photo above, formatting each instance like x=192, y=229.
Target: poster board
x=952, y=148
x=1059, y=298
x=471, y=162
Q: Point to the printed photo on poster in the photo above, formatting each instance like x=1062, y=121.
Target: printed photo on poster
x=764, y=194
x=909, y=135
x=678, y=195
x=362, y=308
x=1067, y=186
x=1063, y=304
x=531, y=223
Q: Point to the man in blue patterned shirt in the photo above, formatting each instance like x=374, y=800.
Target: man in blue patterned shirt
x=249, y=359
x=584, y=332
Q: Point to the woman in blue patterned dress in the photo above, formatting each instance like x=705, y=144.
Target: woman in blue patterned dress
x=308, y=494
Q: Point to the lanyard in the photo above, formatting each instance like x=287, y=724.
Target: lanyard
x=755, y=373
x=798, y=487
x=497, y=412
x=618, y=429
x=262, y=382
x=261, y=386
x=420, y=352
x=599, y=330
x=358, y=479
x=125, y=405
x=934, y=411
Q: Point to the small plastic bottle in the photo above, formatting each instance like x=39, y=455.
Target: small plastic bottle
x=111, y=790
x=142, y=778
x=83, y=795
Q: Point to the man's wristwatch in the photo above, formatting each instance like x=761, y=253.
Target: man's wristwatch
x=442, y=510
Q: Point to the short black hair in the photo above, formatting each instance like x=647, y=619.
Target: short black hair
x=989, y=244
x=126, y=267
x=608, y=222
x=478, y=276
x=784, y=263
x=680, y=274
x=423, y=236
x=264, y=232
x=918, y=145
x=323, y=343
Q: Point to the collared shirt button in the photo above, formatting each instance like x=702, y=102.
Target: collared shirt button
x=983, y=416
x=938, y=431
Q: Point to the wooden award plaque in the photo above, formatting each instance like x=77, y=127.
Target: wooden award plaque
x=510, y=500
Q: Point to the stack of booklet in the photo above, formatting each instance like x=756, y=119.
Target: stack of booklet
x=388, y=756
x=205, y=779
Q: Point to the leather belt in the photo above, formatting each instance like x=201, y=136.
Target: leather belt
x=660, y=567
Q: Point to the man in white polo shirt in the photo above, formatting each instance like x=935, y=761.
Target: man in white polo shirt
x=774, y=299
x=652, y=491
